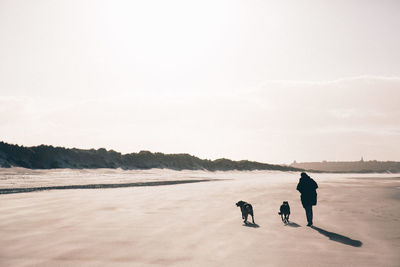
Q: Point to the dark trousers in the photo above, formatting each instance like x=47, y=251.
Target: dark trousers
x=309, y=213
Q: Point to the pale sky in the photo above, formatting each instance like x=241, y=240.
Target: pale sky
x=272, y=81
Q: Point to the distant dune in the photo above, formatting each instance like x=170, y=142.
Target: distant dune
x=49, y=157
x=361, y=166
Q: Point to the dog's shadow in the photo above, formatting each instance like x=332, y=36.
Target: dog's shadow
x=252, y=225
x=338, y=238
x=292, y=224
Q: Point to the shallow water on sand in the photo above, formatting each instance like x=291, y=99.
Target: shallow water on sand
x=25, y=178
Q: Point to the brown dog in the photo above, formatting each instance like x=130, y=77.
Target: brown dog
x=246, y=209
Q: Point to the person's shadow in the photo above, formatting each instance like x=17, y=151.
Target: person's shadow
x=338, y=238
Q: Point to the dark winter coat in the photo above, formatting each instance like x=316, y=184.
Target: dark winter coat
x=307, y=187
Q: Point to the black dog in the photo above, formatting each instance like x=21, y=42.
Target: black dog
x=284, y=212
x=246, y=209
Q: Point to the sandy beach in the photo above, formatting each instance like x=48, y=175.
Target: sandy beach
x=356, y=220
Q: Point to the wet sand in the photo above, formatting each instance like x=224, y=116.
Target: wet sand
x=356, y=221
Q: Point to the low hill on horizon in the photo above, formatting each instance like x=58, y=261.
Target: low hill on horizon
x=372, y=166
x=50, y=157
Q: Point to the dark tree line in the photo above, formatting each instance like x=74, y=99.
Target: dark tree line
x=48, y=157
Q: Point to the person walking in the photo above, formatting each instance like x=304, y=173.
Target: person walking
x=307, y=188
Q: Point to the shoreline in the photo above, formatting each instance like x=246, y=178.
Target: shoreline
x=97, y=186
